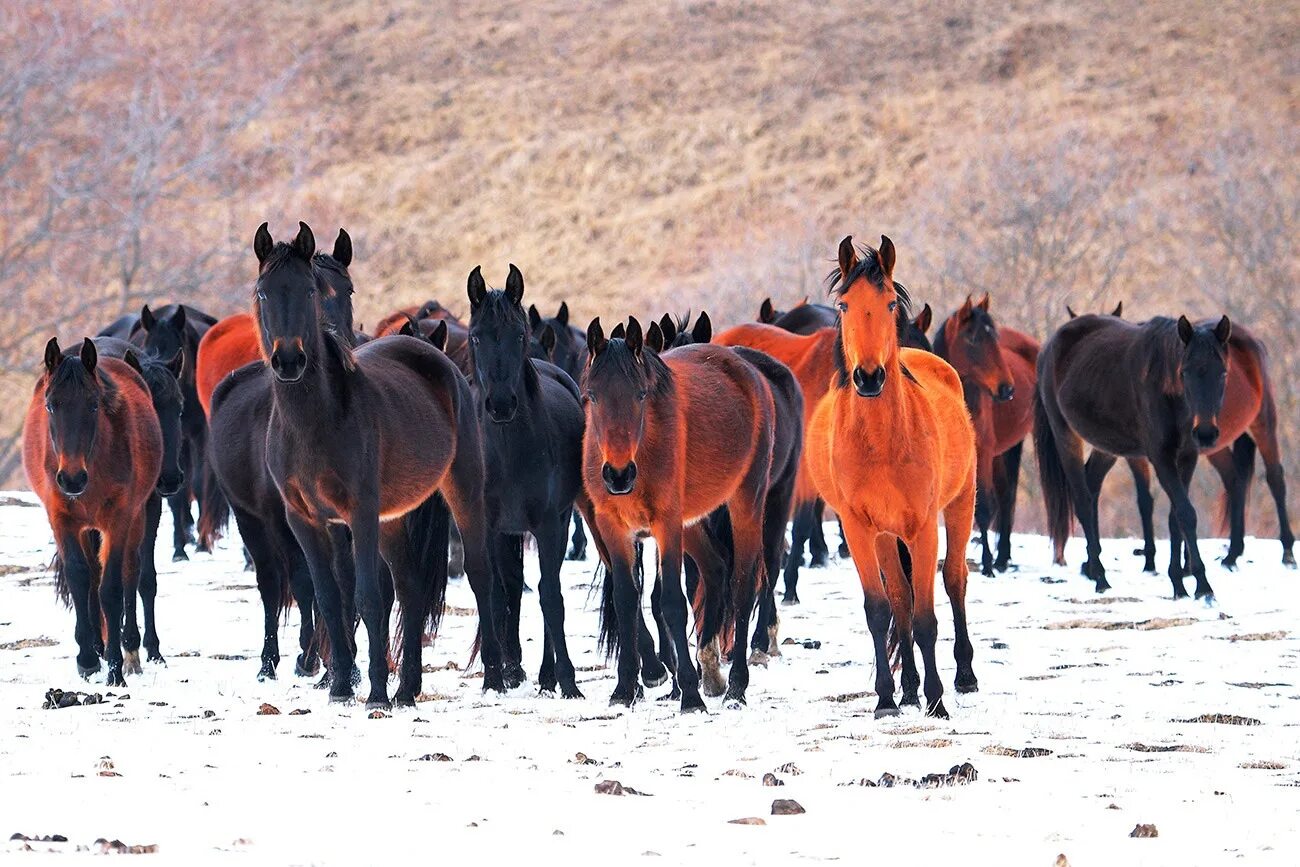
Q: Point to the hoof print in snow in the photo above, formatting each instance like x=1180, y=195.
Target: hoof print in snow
x=299, y=711
x=748, y=820
x=787, y=807
x=117, y=847
x=614, y=787
x=434, y=757
x=772, y=780
x=268, y=710
x=1141, y=830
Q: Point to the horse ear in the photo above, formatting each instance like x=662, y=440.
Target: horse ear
x=439, y=336
x=131, y=361
x=515, y=285
x=147, y=318
x=476, y=288
x=1118, y=312
x=263, y=244
x=53, y=355
x=596, y=341
x=965, y=311
x=703, y=330
x=766, y=313
x=89, y=355
x=1185, y=329
x=1223, y=330
x=619, y=332
x=654, y=337
x=305, y=243
x=408, y=327
x=1070, y=311
x=343, y=248
x=886, y=254
x=562, y=315
x=984, y=303
x=178, y=318
x=923, y=321
x=534, y=318
x=176, y=364
x=667, y=329
x=848, y=258
x=547, y=339
x=635, y=339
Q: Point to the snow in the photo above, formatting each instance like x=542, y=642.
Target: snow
x=336, y=787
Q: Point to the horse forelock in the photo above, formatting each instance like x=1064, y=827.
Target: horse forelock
x=869, y=269
x=618, y=360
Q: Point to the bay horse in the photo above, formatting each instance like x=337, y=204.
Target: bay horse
x=172, y=330
x=531, y=424
x=162, y=380
x=92, y=451
x=1151, y=390
x=341, y=451
x=999, y=369
x=431, y=309
x=897, y=417
x=647, y=419
x=232, y=342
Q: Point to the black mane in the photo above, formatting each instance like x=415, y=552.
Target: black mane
x=621, y=361
x=869, y=269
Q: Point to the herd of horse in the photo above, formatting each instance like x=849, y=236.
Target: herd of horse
x=364, y=469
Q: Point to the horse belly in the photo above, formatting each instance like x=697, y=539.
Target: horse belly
x=1102, y=426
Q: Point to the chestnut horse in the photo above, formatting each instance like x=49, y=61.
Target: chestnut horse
x=92, y=449
x=891, y=447
x=231, y=343
x=431, y=309
x=667, y=441
x=998, y=369
x=341, y=451
x=1152, y=390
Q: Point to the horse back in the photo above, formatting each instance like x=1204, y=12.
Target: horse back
x=226, y=347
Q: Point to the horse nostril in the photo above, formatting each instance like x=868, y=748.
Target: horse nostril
x=619, y=481
x=869, y=384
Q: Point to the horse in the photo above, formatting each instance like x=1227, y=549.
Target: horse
x=787, y=449
x=1153, y=390
x=804, y=318
x=646, y=417
x=171, y=330
x=531, y=424
x=232, y=342
x=431, y=309
x=998, y=369
x=92, y=451
x=897, y=417
x=162, y=380
x=341, y=450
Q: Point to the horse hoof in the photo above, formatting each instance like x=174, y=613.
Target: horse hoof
x=844, y=552
x=735, y=699
x=790, y=599
x=622, y=698
x=492, y=681
x=341, y=698
x=882, y=712
x=937, y=710
x=131, y=662
x=267, y=673
x=404, y=702
x=712, y=683
x=1229, y=563
x=575, y=554
x=115, y=677
x=379, y=704
x=651, y=680
x=179, y=556
x=85, y=671
x=1288, y=559
x=759, y=657
x=301, y=669
x=514, y=675
x=693, y=704
x=1206, y=596
x=571, y=692
x=156, y=656
x=819, y=562
x=1102, y=585
x=910, y=699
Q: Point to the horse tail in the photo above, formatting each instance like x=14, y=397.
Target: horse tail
x=214, y=508
x=607, y=641
x=428, y=536
x=62, y=590
x=716, y=611
x=1051, y=473
x=1243, y=467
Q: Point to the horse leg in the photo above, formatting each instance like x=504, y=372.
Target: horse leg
x=111, y=590
x=1175, y=474
x=899, y=589
x=298, y=576
x=627, y=602
x=1069, y=452
x=875, y=602
x=1264, y=433
x=550, y=557
x=1006, y=483
x=1087, y=478
x=77, y=573
x=708, y=599
x=1141, y=471
x=179, y=503
x=957, y=517
x=985, y=506
x=149, y=577
x=800, y=531
x=844, y=542
x=267, y=565
x=413, y=594
x=1224, y=462
x=665, y=652
x=775, y=513
x=130, y=595
x=506, y=553
x=668, y=539
x=464, y=495
x=818, y=553
x=318, y=552
x=925, y=559
x=370, y=595
x=578, y=551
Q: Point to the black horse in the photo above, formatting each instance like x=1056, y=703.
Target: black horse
x=240, y=414
x=532, y=423
x=382, y=440
x=1150, y=390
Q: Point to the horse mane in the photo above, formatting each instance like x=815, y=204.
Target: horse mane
x=1164, y=351
x=868, y=268
x=659, y=379
x=110, y=394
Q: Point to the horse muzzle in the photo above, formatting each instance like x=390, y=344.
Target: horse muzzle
x=869, y=384
x=619, y=482
x=1205, y=435
x=1005, y=392
x=288, y=363
x=501, y=411
x=170, y=483
x=72, y=485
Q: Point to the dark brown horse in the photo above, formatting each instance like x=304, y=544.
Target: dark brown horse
x=998, y=369
x=92, y=449
x=382, y=440
x=1153, y=390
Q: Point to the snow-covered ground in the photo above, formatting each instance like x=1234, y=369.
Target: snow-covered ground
x=188, y=764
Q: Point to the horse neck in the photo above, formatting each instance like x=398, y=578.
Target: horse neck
x=321, y=395
x=892, y=406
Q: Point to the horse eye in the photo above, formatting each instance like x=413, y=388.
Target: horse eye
x=893, y=305
x=640, y=395
x=843, y=307
x=474, y=339
x=261, y=296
